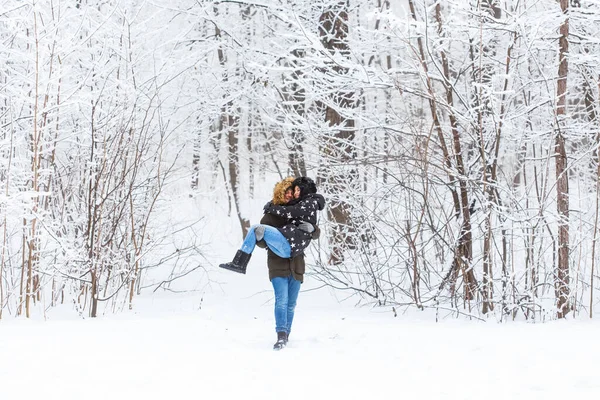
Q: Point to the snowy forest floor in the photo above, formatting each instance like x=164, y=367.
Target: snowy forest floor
x=217, y=344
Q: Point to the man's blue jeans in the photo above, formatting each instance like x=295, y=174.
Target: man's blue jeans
x=274, y=239
x=286, y=294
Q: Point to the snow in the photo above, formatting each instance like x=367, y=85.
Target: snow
x=218, y=345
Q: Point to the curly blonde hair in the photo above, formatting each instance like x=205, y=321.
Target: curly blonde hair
x=280, y=189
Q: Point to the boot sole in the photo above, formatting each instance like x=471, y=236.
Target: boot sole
x=233, y=269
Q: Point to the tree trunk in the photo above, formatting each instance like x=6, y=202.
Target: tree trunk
x=252, y=159
x=434, y=115
x=234, y=167
x=561, y=283
x=231, y=122
x=595, y=237
x=297, y=95
x=36, y=144
x=338, y=148
x=464, y=251
x=196, y=162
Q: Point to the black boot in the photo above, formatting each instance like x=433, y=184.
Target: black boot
x=239, y=263
x=281, y=341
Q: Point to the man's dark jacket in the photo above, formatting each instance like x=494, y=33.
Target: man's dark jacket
x=283, y=267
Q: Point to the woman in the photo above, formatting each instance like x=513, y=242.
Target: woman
x=301, y=214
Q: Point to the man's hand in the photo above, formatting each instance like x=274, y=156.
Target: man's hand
x=306, y=227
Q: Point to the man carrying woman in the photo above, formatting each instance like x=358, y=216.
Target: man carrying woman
x=286, y=229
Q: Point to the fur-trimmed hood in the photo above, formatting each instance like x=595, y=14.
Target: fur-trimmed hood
x=280, y=189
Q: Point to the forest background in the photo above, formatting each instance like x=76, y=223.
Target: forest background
x=455, y=141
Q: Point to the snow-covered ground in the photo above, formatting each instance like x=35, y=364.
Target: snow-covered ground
x=220, y=347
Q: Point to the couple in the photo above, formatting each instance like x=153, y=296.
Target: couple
x=286, y=229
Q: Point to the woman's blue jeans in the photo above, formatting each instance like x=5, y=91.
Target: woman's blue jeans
x=274, y=239
x=286, y=294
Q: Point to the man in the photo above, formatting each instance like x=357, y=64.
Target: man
x=293, y=214
x=286, y=274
